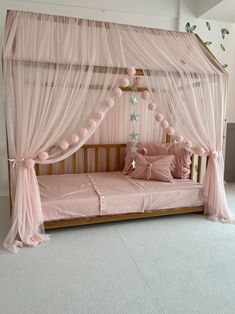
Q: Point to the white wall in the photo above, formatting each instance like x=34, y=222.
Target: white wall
x=165, y=14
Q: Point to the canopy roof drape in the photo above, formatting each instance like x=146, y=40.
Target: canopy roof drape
x=59, y=73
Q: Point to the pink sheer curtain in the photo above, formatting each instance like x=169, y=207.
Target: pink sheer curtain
x=53, y=91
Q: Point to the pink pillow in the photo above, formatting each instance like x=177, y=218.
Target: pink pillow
x=154, y=167
x=182, y=156
x=128, y=167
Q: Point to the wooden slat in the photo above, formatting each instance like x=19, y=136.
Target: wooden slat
x=118, y=153
x=191, y=168
x=121, y=217
x=62, y=168
x=85, y=159
x=168, y=138
x=50, y=168
x=37, y=169
x=107, y=158
x=96, y=159
x=199, y=169
x=74, y=162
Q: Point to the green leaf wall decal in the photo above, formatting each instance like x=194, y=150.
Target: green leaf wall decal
x=187, y=27
x=192, y=28
x=208, y=25
x=208, y=43
x=222, y=47
x=224, y=31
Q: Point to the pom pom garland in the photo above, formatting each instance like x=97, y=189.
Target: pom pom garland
x=214, y=155
x=43, y=156
x=124, y=82
x=170, y=131
x=178, y=138
x=74, y=138
x=99, y=115
x=165, y=124
x=159, y=117
x=131, y=71
x=63, y=145
x=92, y=123
x=117, y=92
x=199, y=151
x=152, y=106
x=109, y=102
x=29, y=163
x=145, y=95
x=83, y=132
x=188, y=144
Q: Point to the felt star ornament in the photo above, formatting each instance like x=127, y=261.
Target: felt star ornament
x=133, y=100
x=134, y=136
x=134, y=117
x=133, y=149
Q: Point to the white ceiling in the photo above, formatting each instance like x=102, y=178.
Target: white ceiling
x=222, y=11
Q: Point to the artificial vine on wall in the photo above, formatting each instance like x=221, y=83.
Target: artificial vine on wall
x=224, y=31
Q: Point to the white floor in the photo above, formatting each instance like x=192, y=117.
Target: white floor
x=172, y=265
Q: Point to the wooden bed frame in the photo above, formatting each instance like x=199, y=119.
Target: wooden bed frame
x=93, y=151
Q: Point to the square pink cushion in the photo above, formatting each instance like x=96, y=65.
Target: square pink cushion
x=154, y=167
x=182, y=157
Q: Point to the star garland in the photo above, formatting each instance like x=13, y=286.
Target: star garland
x=134, y=117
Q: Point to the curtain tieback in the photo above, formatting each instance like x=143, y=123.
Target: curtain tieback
x=28, y=163
x=215, y=154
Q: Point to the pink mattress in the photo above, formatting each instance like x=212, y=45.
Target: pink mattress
x=108, y=193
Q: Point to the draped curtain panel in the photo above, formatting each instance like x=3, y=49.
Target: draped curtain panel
x=56, y=99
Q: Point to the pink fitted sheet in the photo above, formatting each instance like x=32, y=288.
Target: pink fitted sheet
x=74, y=195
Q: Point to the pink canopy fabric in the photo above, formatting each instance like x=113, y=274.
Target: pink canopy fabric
x=59, y=74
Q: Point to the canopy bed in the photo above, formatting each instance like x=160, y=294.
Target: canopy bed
x=73, y=83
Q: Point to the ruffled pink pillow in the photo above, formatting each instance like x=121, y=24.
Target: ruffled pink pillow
x=130, y=157
x=182, y=156
x=154, y=167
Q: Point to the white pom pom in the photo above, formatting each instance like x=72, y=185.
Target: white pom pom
x=164, y=124
x=83, y=132
x=159, y=117
x=99, y=115
x=170, y=131
x=109, y=102
x=91, y=123
x=63, y=145
x=131, y=71
x=29, y=163
x=152, y=106
x=74, y=138
x=43, y=156
x=145, y=95
x=117, y=92
x=178, y=138
x=124, y=82
x=187, y=144
x=199, y=151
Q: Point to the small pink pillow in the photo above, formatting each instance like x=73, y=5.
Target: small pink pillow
x=154, y=167
x=128, y=168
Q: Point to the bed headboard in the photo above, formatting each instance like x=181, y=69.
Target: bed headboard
x=106, y=158
x=89, y=158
